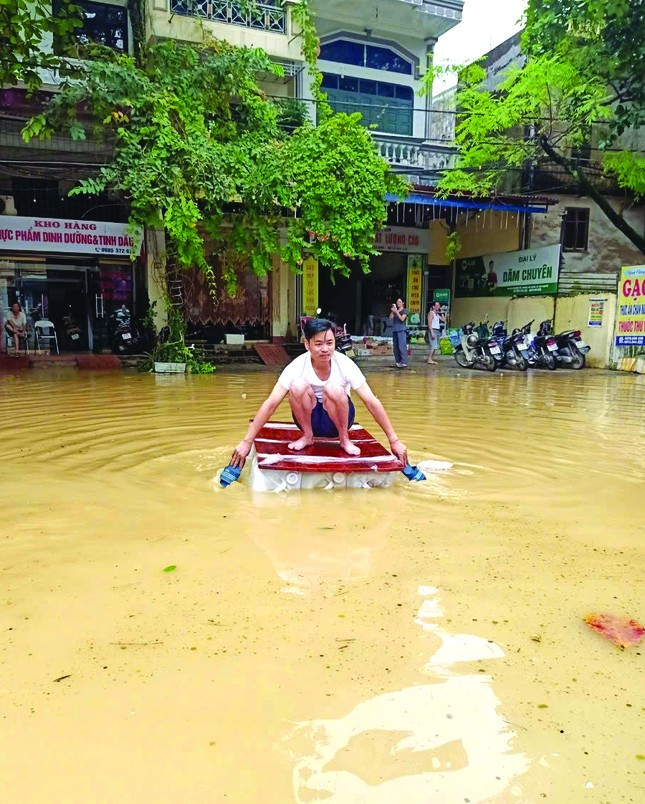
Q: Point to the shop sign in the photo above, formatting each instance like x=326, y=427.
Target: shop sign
x=310, y=286
x=18, y=233
x=630, y=318
x=596, y=312
x=415, y=278
x=515, y=273
x=403, y=240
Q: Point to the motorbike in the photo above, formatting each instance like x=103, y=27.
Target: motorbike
x=72, y=330
x=571, y=349
x=542, y=347
x=513, y=349
x=123, y=335
x=474, y=351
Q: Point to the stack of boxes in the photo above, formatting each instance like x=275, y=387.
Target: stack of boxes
x=369, y=346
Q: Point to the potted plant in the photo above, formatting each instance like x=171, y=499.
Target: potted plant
x=170, y=357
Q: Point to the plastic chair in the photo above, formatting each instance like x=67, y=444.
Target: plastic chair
x=45, y=331
x=10, y=342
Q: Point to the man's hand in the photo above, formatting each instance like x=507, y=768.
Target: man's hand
x=400, y=451
x=240, y=453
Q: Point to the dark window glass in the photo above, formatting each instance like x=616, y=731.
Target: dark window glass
x=348, y=84
x=386, y=107
x=386, y=90
x=102, y=23
x=575, y=229
x=344, y=52
x=378, y=58
x=382, y=58
x=368, y=87
x=329, y=81
x=404, y=93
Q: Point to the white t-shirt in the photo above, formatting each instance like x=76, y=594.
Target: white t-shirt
x=19, y=321
x=436, y=321
x=343, y=371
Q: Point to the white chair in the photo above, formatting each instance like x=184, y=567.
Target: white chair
x=45, y=332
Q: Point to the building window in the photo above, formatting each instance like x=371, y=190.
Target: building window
x=388, y=107
x=103, y=23
x=344, y=51
x=575, y=229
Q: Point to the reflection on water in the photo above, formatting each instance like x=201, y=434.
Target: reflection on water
x=422, y=644
x=444, y=741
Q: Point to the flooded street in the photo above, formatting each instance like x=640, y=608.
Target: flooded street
x=423, y=643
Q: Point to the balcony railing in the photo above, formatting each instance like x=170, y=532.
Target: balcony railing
x=264, y=17
x=410, y=154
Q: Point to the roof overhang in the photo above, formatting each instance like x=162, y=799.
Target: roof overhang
x=528, y=204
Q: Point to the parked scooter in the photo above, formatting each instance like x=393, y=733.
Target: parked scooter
x=542, y=347
x=123, y=335
x=572, y=350
x=475, y=351
x=499, y=336
x=513, y=349
x=72, y=330
x=526, y=344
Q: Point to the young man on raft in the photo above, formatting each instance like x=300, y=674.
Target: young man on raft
x=318, y=383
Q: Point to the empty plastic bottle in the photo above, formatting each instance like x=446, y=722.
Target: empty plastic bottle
x=229, y=475
x=413, y=472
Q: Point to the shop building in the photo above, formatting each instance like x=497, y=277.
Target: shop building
x=414, y=262
x=74, y=273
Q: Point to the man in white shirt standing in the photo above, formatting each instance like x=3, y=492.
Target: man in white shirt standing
x=319, y=383
x=435, y=320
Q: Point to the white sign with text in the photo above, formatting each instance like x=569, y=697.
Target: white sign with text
x=403, y=239
x=18, y=233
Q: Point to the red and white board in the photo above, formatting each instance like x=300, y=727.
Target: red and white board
x=322, y=465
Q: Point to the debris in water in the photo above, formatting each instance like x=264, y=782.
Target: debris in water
x=170, y=568
x=619, y=630
x=61, y=678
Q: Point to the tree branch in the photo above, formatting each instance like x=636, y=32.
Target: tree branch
x=590, y=189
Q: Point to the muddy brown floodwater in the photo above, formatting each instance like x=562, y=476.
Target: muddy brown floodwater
x=423, y=643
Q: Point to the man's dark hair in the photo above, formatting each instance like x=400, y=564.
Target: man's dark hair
x=317, y=325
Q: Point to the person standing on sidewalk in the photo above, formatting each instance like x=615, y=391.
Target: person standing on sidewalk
x=398, y=315
x=435, y=320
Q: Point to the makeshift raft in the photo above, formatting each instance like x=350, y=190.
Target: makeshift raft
x=275, y=467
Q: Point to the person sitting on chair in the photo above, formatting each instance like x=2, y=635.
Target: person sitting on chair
x=318, y=383
x=16, y=325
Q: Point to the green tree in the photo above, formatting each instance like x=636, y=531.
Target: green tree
x=582, y=83
x=27, y=29
x=200, y=150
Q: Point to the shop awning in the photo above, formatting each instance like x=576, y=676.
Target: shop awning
x=500, y=205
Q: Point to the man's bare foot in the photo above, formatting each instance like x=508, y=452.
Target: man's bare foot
x=301, y=443
x=350, y=449
x=432, y=362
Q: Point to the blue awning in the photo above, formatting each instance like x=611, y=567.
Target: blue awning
x=431, y=201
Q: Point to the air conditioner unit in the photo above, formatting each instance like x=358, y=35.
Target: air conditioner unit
x=7, y=205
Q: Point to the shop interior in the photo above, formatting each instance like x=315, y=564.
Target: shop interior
x=80, y=301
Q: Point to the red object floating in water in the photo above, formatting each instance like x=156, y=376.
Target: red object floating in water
x=619, y=630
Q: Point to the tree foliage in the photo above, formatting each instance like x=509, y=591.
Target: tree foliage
x=27, y=29
x=201, y=151
x=582, y=84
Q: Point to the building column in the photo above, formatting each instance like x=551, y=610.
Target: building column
x=155, y=244
x=430, y=43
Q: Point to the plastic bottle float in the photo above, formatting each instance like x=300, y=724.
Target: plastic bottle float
x=324, y=464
